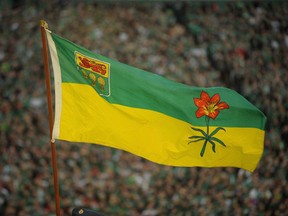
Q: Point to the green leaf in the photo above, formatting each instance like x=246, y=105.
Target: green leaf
x=216, y=131
x=196, y=137
x=202, y=138
x=213, y=145
x=201, y=131
x=217, y=140
x=203, y=148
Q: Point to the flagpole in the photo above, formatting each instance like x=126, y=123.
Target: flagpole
x=43, y=26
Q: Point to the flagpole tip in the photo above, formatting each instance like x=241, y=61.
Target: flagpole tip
x=43, y=24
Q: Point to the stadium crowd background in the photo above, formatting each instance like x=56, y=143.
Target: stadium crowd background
x=243, y=46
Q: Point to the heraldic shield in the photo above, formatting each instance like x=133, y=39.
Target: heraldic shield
x=95, y=71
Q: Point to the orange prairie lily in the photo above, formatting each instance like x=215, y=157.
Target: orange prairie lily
x=209, y=106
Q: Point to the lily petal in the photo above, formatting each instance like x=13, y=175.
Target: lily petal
x=222, y=105
x=213, y=114
x=201, y=112
x=204, y=96
x=215, y=98
x=199, y=103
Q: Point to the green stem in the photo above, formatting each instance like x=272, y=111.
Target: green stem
x=207, y=123
x=207, y=138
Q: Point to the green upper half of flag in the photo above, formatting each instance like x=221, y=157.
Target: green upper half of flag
x=122, y=84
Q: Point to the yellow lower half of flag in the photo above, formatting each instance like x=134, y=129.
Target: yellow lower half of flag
x=84, y=116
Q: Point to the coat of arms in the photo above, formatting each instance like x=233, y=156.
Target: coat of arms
x=96, y=71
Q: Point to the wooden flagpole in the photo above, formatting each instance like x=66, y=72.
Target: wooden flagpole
x=43, y=26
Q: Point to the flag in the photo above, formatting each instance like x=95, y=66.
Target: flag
x=102, y=101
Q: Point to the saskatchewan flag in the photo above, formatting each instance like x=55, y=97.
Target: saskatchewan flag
x=102, y=101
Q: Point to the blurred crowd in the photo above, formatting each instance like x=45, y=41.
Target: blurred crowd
x=240, y=45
